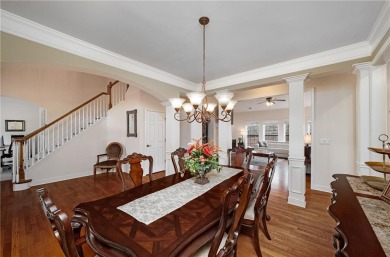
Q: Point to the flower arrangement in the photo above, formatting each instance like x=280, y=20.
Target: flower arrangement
x=201, y=158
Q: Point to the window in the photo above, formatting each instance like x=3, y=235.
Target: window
x=271, y=131
x=252, y=135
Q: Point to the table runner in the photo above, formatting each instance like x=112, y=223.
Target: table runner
x=152, y=207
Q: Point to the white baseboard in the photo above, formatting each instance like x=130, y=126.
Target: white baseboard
x=36, y=182
x=326, y=189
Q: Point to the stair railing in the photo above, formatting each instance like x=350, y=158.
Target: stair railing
x=34, y=147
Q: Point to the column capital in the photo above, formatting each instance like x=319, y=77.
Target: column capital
x=297, y=78
x=359, y=67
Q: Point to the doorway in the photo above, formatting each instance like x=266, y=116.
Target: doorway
x=155, y=138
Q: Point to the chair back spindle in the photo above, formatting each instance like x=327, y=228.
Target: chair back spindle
x=136, y=172
x=177, y=159
x=238, y=155
x=60, y=224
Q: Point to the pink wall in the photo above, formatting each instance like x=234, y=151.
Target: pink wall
x=51, y=88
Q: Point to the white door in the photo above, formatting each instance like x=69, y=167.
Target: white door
x=155, y=139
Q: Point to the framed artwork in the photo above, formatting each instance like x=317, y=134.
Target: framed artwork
x=132, y=123
x=14, y=125
x=386, y=193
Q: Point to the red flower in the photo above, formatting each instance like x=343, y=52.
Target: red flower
x=207, y=151
x=190, y=148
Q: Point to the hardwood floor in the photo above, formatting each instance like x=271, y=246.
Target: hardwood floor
x=295, y=231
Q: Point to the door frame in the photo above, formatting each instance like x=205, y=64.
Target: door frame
x=143, y=143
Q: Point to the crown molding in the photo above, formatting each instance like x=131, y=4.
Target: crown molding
x=24, y=28
x=380, y=28
x=342, y=54
x=383, y=55
x=30, y=30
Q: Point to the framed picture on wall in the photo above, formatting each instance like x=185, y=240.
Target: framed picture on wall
x=132, y=123
x=14, y=125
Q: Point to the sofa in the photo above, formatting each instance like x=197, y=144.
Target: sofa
x=279, y=148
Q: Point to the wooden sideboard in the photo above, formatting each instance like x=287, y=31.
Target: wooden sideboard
x=354, y=234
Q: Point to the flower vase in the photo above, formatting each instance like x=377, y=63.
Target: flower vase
x=201, y=177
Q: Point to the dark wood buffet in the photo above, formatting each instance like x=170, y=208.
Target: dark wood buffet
x=362, y=219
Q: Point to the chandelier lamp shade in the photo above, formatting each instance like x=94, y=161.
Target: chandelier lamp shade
x=199, y=109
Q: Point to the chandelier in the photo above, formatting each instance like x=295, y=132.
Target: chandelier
x=199, y=109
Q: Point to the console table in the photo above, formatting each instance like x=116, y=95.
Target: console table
x=363, y=219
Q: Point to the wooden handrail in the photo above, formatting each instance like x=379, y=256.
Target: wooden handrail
x=109, y=86
x=22, y=139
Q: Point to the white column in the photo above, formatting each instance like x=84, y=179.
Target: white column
x=363, y=73
x=371, y=115
x=224, y=138
x=172, y=136
x=296, y=159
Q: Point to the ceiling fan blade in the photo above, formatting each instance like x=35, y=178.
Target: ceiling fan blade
x=281, y=100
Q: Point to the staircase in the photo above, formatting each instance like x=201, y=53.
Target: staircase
x=40, y=144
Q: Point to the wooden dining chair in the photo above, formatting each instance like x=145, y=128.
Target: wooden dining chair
x=237, y=156
x=63, y=229
x=177, y=159
x=113, y=154
x=257, y=208
x=225, y=244
x=136, y=172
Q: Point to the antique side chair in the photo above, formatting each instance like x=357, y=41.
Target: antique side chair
x=113, y=154
x=136, y=172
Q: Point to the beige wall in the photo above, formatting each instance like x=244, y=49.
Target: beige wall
x=54, y=89
x=334, y=120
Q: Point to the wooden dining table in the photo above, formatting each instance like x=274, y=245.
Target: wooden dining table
x=178, y=233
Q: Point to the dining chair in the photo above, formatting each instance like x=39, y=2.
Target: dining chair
x=257, y=208
x=177, y=159
x=136, y=172
x=113, y=154
x=225, y=244
x=63, y=229
x=237, y=156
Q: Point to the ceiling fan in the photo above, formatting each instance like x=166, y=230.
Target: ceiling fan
x=269, y=101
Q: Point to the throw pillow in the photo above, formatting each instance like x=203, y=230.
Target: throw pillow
x=261, y=144
x=265, y=143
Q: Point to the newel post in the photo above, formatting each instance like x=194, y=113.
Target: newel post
x=21, y=183
x=21, y=168
x=109, y=86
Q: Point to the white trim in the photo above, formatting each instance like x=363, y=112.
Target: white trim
x=36, y=182
x=33, y=31
x=381, y=26
x=321, y=188
x=297, y=78
x=383, y=54
x=21, y=186
x=338, y=55
x=27, y=29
